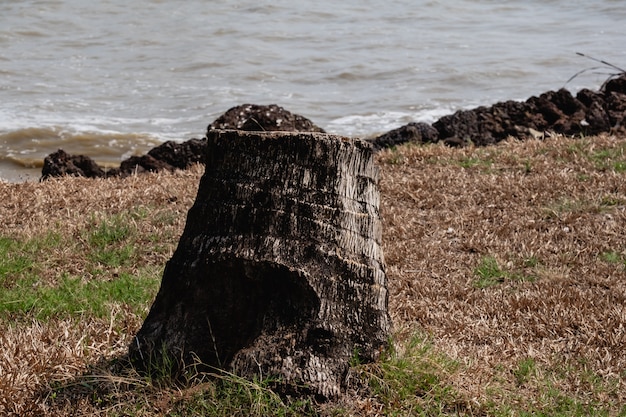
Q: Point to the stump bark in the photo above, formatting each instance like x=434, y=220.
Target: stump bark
x=279, y=271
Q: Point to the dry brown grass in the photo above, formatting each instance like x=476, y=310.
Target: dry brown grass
x=547, y=212
x=36, y=356
x=552, y=214
x=30, y=207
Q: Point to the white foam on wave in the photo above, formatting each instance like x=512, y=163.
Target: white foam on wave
x=160, y=129
x=10, y=122
x=373, y=124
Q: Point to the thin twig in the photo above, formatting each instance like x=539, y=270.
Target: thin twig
x=217, y=356
x=603, y=62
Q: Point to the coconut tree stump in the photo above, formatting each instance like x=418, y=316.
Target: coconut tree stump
x=279, y=271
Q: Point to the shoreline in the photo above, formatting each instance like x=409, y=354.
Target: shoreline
x=17, y=175
x=586, y=113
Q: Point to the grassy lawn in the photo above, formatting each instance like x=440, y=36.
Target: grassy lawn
x=507, y=279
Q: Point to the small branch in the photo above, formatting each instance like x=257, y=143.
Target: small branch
x=601, y=61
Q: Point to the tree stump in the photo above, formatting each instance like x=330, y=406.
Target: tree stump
x=279, y=271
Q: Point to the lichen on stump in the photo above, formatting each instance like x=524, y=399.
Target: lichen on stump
x=279, y=271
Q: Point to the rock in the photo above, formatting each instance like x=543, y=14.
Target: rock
x=615, y=84
x=180, y=155
x=462, y=125
x=168, y=156
x=588, y=113
x=174, y=155
x=557, y=111
x=252, y=117
x=455, y=142
x=412, y=132
x=596, y=118
x=279, y=272
x=485, y=125
x=140, y=164
x=616, y=109
x=165, y=157
x=60, y=163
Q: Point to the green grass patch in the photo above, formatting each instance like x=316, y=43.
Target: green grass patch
x=612, y=257
x=548, y=398
x=471, y=162
x=15, y=260
x=618, y=167
x=111, y=242
x=580, y=147
x=113, y=256
x=396, y=157
x=218, y=393
x=556, y=404
x=406, y=381
x=23, y=258
x=524, y=371
x=611, y=200
x=612, y=159
x=105, y=269
x=227, y=395
x=483, y=159
x=531, y=262
x=412, y=382
x=566, y=206
x=489, y=272
x=75, y=296
x=110, y=231
x=607, y=159
x=618, y=259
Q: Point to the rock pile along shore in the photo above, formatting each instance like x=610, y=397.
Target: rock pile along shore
x=587, y=113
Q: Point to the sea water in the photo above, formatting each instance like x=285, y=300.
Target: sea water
x=114, y=78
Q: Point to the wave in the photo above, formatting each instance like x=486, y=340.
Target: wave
x=373, y=124
x=27, y=147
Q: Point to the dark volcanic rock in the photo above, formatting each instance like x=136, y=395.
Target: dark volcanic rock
x=140, y=164
x=413, y=132
x=60, y=163
x=173, y=155
x=588, y=113
x=483, y=125
x=180, y=155
x=596, y=117
x=616, y=109
x=617, y=85
x=168, y=156
x=556, y=111
x=252, y=117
